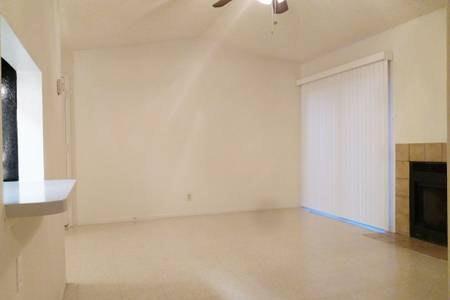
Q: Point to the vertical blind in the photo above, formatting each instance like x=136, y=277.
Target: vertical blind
x=345, y=145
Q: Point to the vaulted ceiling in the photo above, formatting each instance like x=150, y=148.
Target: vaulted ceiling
x=310, y=28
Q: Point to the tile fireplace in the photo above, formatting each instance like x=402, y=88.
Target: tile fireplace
x=417, y=190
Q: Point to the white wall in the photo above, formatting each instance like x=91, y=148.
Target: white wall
x=418, y=75
x=157, y=122
x=30, y=126
x=39, y=241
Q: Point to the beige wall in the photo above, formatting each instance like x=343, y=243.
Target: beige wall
x=418, y=75
x=157, y=122
x=39, y=241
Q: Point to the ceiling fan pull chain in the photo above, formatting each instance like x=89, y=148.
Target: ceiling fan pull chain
x=274, y=21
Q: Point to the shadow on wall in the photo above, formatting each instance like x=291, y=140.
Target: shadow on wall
x=21, y=232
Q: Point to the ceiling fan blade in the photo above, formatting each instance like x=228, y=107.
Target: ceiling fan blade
x=221, y=3
x=280, y=7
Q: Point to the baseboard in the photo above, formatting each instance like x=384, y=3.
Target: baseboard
x=170, y=216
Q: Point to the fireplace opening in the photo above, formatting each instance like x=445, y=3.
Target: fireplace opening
x=428, y=201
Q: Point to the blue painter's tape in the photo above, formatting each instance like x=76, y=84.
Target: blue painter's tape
x=344, y=220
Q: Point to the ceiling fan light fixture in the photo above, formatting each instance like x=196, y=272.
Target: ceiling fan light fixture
x=266, y=2
x=270, y=2
x=279, y=6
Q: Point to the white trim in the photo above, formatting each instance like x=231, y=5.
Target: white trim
x=391, y=183
x=347, y=67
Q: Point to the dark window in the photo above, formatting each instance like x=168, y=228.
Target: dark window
x=9, y=114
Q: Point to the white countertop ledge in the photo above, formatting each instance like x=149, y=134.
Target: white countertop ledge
x=30, y=199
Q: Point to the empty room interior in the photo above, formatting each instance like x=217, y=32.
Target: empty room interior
x=224, y=149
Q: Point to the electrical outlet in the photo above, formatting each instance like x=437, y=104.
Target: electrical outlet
x=189, y=197
x=19, y=274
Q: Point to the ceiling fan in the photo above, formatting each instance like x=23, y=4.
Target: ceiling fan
x=279, y=6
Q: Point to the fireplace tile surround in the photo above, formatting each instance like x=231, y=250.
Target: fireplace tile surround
x=404, y=154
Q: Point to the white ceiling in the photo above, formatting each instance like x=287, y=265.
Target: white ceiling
x=309, y=29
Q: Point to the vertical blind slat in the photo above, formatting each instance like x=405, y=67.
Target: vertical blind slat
x=345, y=145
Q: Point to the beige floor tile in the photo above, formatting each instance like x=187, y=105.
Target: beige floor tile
x=280, y=254
x=71, y=292
x=99, y=292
